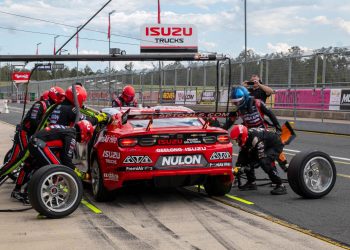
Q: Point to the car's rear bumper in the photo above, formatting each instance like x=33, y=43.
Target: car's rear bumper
x=121, y=177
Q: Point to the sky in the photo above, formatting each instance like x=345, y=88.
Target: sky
x=272, y=25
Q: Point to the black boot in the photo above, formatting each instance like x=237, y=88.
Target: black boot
x=248, y=186
x=18, y=195
x=279, y=190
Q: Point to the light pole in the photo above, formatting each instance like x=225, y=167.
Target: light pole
x=245, y=38
x=109, y=51
x=54, y=52
x=37, y=48
x=54, y=44
x=77, y=46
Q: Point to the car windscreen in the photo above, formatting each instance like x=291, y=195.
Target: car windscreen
x=168, y=122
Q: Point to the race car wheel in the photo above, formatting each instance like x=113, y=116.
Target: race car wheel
x=99, y=192
x=55, y=191
x=217, y=185
x=312, y=174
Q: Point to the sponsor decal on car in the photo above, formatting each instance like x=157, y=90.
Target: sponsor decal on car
x=169, y=141
x=188, y=149
x=111, y=154
x=138, y=168
x=220, y=156
x=192, y=141
x=110, y=176
x=110, y=139
x=137, y=159
x=109, y=161
x=168, y=150
x=181, y=161
x=220, y=164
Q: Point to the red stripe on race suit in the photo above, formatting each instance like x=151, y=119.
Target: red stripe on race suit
x=51, y=155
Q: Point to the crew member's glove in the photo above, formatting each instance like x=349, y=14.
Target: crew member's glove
x=103, y=118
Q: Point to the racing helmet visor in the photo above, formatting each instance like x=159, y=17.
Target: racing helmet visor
x=237, y=102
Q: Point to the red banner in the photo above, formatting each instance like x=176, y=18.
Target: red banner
x=303, y=99
x=20, y=77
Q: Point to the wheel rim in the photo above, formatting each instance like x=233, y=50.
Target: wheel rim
x=59, y=191
x=95, y=177
x=318, y=174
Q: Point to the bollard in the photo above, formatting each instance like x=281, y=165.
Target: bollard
x=7, y=111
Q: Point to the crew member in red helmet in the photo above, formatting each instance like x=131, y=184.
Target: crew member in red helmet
x=126, y=99
x=65, y=113
x=258, y=145
x=30, y=124
x=45, y=95
x=53, y=145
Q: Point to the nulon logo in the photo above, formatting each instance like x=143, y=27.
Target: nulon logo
x=181, y=160
x=168, y=31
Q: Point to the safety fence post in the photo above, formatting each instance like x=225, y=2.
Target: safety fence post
x=295, y=103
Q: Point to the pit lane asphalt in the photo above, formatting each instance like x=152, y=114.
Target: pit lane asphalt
x=328, y=216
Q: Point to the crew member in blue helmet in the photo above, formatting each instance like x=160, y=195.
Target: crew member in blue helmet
x=252, y=112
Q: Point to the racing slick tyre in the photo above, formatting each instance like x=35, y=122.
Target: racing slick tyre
x=217, y=185
x=312, y=174
x=55, y=191
x=13, y=176
x=99, y=191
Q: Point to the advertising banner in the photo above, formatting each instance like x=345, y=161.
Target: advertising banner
x=20, y=77
x=345, y=99
x=150, y=96
x=168, y=96
x=303, y=99
x=270, y=101
x=223, y=97
x=334, y=100
x=186, y=97
x=168, y=38
x=208, y=97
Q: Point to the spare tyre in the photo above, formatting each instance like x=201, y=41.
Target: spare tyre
x=312, y=174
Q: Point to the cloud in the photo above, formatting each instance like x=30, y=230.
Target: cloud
x=322, y=20
x=342, y=24
x=278, y=47
x=89, y=52
x=284, y=47
x=283, y=20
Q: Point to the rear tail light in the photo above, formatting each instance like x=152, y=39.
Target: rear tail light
x=209, y=139
x=127, y=142
x=223, y=139
x=147, y=141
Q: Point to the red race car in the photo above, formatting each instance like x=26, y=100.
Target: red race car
x=169, y=146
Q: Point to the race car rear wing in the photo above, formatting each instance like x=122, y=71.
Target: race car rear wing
x=159, y=115
x=163, y=115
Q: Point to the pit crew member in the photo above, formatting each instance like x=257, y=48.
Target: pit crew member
x=252, y=112
x=65, y=113
x=261, y=146
x=31, y=122
x=126, y=99
x=53, y=145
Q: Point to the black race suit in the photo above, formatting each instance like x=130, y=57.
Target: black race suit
x=53, y=145
x=25, y=130
x=262, y=147
x=253, y=116
x=65, y=113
